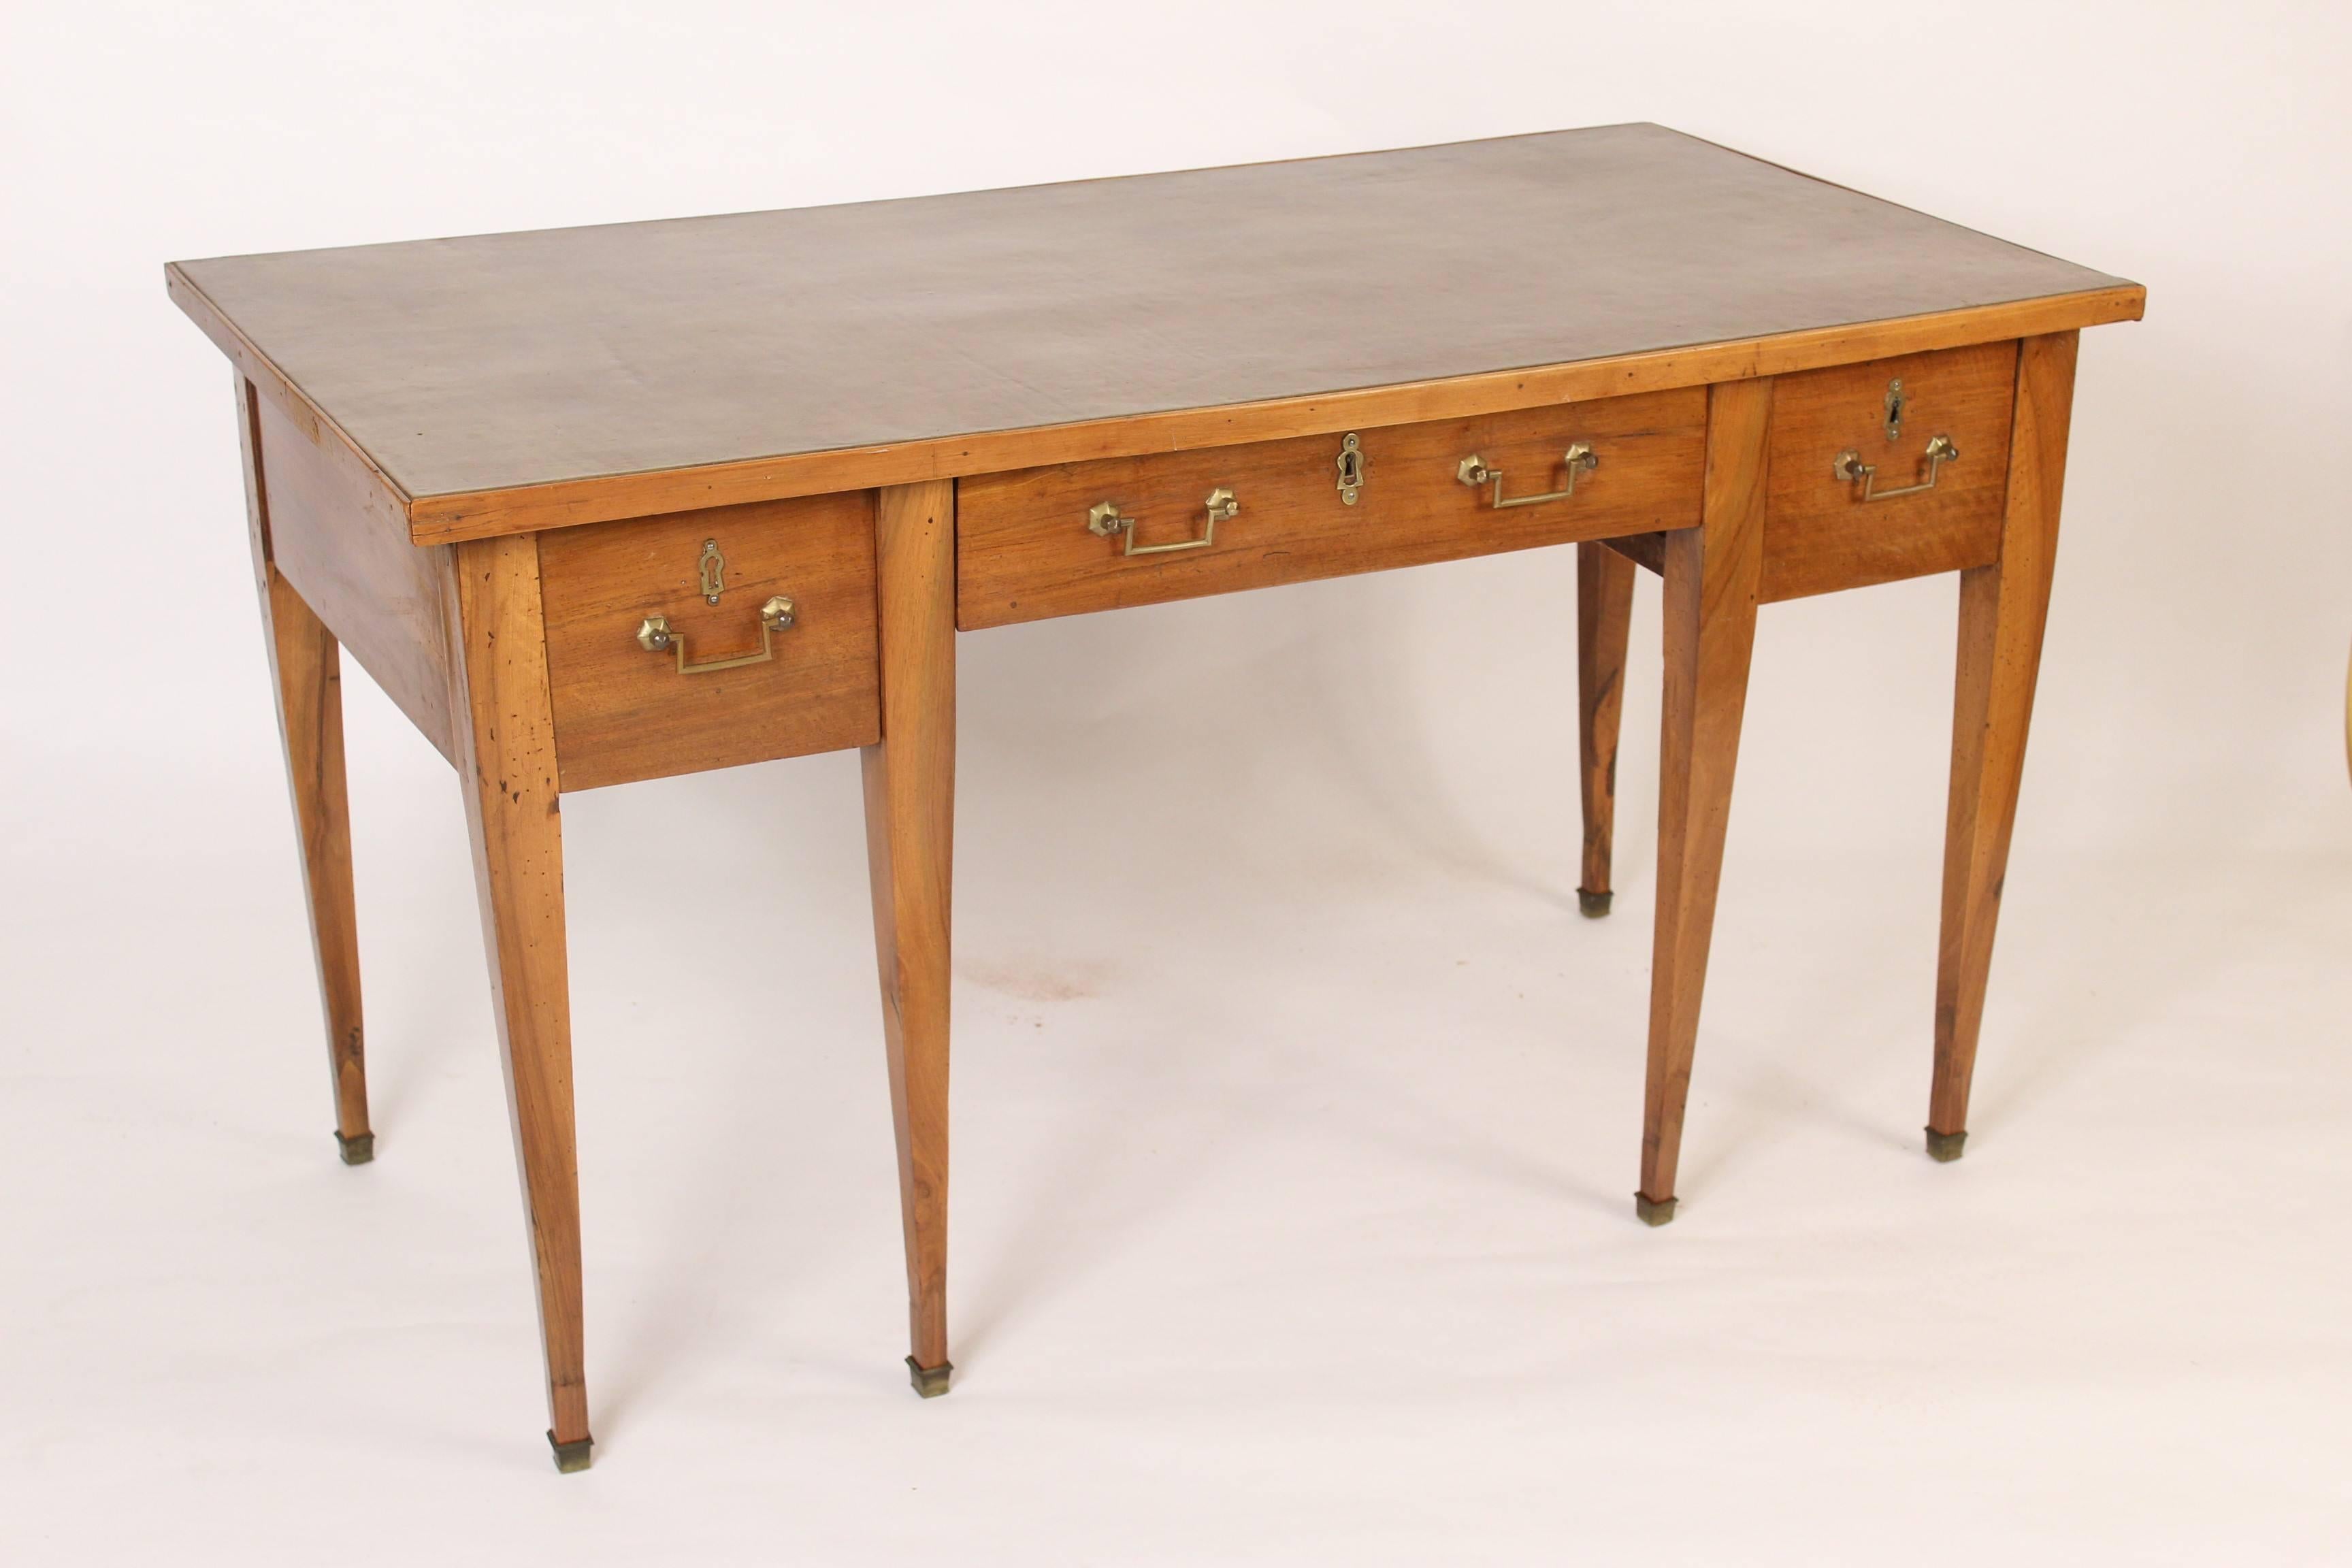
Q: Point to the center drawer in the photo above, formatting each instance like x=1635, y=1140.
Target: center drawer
x=1099, y=535
x=704, y=639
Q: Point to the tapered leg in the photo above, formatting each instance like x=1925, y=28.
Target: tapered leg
x=1711, y=576
x=909, y=839
x=507, y=765
x=1604, y=613
x=2003, y=607
x=307, y=668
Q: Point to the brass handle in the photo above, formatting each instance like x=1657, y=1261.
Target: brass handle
x=776, y=616
x=1473, y=471
x=1103, y=520
x=1849, y=467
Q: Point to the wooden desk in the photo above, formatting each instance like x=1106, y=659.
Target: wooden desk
x=603, y=504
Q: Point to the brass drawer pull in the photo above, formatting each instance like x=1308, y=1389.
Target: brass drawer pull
x=1849, y=467
x=1103, y=520
x=776, y=616
x=1473, y=471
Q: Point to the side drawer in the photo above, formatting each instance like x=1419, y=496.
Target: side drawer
x=1820, y=533
x=625, y=711
x=1025, y=549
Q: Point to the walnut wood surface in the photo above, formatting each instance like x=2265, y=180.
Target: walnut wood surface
x=2003, y=607
x=506, y=764
x=1702, y=318
x=338, y=538
x=1604, y=617
x=623, y=714
x=563, y=503
x=290, y=400
x=1712, y=578
x=307, y=668
x=1647, y=550
x=910, y=851
x=1024, y=551
x=1819, y=537
x=520, y=380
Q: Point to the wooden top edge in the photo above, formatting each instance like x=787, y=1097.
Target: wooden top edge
x=555, y=362
x=440, y=519
x=258, y=368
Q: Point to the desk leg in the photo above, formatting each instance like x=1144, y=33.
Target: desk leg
x=909, y=843
x=307, y=665
x=2003, y=607
x=1604, y=614
x=506, y=764
x=1711, y=576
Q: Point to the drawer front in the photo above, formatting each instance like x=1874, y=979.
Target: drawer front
x=624, y=711
x=1026, y=549
x=1820, y=533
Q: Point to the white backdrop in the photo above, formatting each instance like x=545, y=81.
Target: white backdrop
x=1296, y=1111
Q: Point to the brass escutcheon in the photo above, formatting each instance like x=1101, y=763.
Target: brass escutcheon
x=1351, y=470
x=712, y=568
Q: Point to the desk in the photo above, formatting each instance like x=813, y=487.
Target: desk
x=604, y=504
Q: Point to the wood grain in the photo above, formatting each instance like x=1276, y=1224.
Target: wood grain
x=623, y=714
x=307, y=668
x=1821, y=537
x=2003, y=608
x=1713, y=573
x=1024, y=551
x=1604, y=615
x=559, y=419
x=339, y=538
x=1647, y=550
x=507, y=762
x=517, y=381
x=436, y=518
x=254, y=365
x=911, y=846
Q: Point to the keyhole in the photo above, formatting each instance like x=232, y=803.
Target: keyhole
x=1896, y=399
x=713, y=568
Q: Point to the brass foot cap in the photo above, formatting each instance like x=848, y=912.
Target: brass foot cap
x=571, y=1457
x=1945, y=1147
x=1653, y=1211
x=1594, y=905
x=358, y=1150
x=930, y=1381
